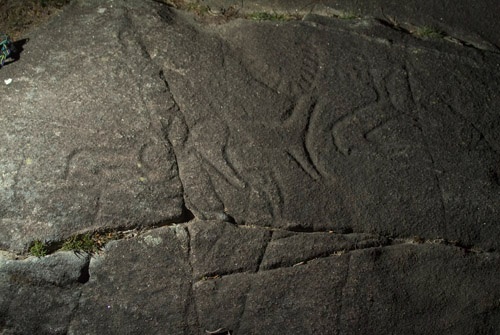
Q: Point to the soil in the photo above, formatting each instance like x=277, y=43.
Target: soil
x=18, y=17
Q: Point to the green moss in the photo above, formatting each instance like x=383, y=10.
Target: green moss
x=89, y=242
x=81, y=243
x=38, y=249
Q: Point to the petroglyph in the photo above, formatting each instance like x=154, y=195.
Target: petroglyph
x=213, y=148
x=108, y=174
x=147, y=163
x=294, y=74
x=354, y=129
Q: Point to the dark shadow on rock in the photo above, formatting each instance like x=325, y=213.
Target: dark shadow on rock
x=17, y=48
x=187, y=215
x=84, y=274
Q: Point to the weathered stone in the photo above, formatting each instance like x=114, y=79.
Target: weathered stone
x=309, y=246
x=469, y=25
x=40, y=295
x=220, y=248
x=401, y=289
x=82, y=142
x=421, y=289
x=138, y=286
x=330, y=138
x=318, y=176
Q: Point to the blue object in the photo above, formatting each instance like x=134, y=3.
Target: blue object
x=6, y=48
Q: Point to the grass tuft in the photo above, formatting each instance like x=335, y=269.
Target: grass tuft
x=38, y=249
x=81, y=243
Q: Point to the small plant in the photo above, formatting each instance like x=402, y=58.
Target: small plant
x=81, y=243
x=38, y=249
x=428, y=32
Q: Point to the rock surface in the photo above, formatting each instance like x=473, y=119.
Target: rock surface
x=473, y=25
x=325, y=175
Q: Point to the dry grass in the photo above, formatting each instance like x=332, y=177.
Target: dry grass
x=17, y=17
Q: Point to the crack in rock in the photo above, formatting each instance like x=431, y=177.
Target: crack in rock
x=376, y=241
x=414, y=31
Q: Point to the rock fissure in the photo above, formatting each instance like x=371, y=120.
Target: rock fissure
x=219, y=275
x=413, y=30
x=341, y=252
x=384, y=240
x=267, y=241
x=301, y=14
x=103, y=236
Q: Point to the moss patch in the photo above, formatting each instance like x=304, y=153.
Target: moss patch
x=38, y=249
x=81, y=243
x=90, y=242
